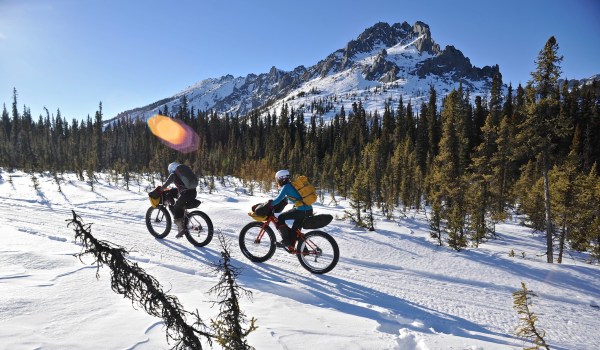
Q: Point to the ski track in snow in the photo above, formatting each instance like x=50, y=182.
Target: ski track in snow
x=407, y=295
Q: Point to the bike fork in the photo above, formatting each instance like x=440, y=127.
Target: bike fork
x=260, y=235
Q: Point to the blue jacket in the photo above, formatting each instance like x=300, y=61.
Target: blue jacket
x=290, y=192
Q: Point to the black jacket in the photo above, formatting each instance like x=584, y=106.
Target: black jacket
x=183, y=177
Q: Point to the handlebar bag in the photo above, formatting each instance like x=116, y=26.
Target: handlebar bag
x=262, y=209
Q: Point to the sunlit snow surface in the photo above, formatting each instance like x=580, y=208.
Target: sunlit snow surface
x=393, y=288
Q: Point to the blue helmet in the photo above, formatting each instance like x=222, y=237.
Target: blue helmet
x=172, y=167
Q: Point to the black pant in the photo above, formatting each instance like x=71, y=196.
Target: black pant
x=296, y=215
x=184, y=198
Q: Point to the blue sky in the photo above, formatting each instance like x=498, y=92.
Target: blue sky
x=72, y=54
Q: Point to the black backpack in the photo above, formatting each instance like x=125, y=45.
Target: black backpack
x=187, y=176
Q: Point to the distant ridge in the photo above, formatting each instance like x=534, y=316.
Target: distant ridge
x=383, y=64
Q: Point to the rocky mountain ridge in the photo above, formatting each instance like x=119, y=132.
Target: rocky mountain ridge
x=383, y=64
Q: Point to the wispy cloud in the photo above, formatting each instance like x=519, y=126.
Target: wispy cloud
x=2, y=36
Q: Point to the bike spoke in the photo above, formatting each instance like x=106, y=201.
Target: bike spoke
x=199, y=228
x=158, y=222
x=256, y=244
x=318, y=253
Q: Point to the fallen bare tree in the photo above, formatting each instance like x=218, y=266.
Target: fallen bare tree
x=131, y=281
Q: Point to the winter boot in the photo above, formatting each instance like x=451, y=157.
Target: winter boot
x=286, y=240
x=180, y=227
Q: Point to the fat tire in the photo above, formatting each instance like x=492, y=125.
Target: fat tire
x=206, y=227
x=158, y=213
x=252, y=229
x=304, y=259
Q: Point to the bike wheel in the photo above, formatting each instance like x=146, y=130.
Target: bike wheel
x=199, y=228
x=257, y=244
x=158, y=221
x=318, y=252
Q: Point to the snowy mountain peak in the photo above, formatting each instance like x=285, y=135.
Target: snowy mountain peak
x=387, y=36
x=400, y=59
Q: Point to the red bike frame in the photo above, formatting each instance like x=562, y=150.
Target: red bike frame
x=311, y=250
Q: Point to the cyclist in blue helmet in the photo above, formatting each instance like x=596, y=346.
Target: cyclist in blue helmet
x=186, y=181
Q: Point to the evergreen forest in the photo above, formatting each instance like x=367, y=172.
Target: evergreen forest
x=470, y=162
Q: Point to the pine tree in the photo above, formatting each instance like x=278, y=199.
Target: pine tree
x=421, y=147
x=435, y=223
x=476, y=197
x=504, y=167
x=448, y=162
x=364, y=191
x=585, y=234
x=410, y=182
x=482, y=177
x=456, y=224
x=389, y=193
x=496, y=99
x=590, y=129
x=480, y=113
x=447, y=179
x=5, y=149
x=387, y=130
x=97, y=159
x=400, y=131
x=529, y=192
x=563, y=189
x=543, y=123
x=433, y=126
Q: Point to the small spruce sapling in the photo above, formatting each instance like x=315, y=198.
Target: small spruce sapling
x=229, y=326
x=527, y=326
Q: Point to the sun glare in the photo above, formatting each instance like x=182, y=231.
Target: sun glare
x=173, y=133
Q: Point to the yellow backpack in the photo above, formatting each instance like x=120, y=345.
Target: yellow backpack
x=306, y=190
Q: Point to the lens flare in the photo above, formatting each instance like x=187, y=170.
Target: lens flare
x=174, y=133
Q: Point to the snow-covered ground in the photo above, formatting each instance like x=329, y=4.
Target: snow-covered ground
x=392, y=289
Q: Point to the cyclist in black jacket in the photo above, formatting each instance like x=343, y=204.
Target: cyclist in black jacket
x=186, y=182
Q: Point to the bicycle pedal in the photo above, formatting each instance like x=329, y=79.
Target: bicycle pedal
x=179, y=235
x=290, y=249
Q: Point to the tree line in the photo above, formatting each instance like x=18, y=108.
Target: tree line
x=533, y=150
